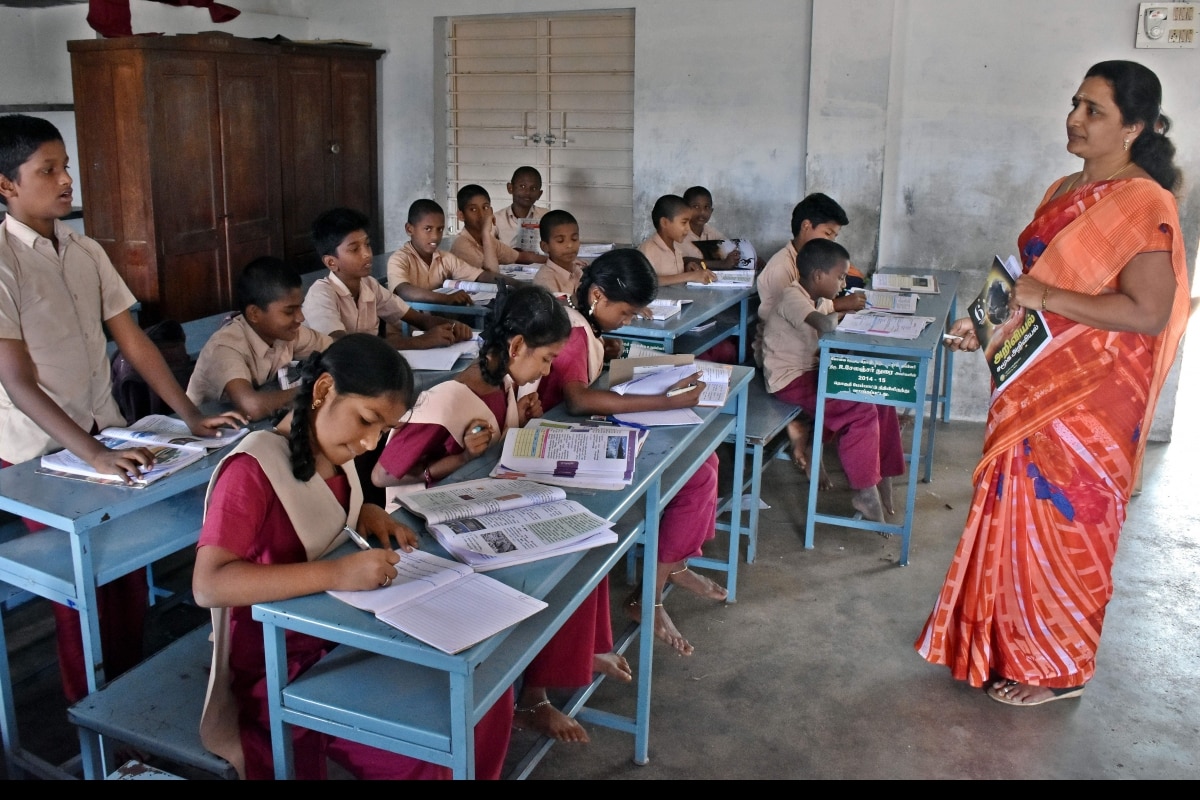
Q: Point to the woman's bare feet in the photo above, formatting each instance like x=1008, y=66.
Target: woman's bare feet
x=612, y=665
x=867, y=502
x=664, y=627
x=885, y=496
x=541, y=717
x=699, y=584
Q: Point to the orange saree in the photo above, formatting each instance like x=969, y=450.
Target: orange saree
x=1026, y=592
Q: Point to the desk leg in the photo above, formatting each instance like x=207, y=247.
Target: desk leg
x=86, y=605
x=735, y=511
x=275, y=647
x=814, y=480
x=744, y=327
x=641, y=738
x=462, y=731
x=756, y=468
x=8, y=720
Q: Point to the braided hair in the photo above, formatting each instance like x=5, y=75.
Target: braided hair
x=360, y=364
x=529, y=311
x=1138, y=93
x=624, y=276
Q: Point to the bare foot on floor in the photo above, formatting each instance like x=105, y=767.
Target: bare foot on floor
x=867, y=502
x=885, y=496
x=544, y=719
x=612, y=665
x=699, y=584
x=799, y=433
x=664, y=627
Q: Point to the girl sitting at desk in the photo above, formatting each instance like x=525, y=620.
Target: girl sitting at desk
x=276, y=504
x=454, y=423
x=614, y=288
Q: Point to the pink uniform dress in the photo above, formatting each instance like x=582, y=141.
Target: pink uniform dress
x=689, y=520
x=566, y=660
x=246, y=518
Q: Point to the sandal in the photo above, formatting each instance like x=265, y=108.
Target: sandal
x=1002, y=694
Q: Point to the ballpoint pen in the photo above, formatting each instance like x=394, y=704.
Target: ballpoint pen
x=952, y=337
x=682, y=390
x=357, y=538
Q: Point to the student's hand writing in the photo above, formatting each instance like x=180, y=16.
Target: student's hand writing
x=374, y=521
x=528, y=407
x=694, y=266
x=477, y=437
x=855, y=301
x=964, y=328
x=731, y=261
x=613, y=348
x=688, y=398
x=128, y=464
x=461, y=331
x=365, y=569
x=217, y=425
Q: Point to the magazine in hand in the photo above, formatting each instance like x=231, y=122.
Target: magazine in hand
x=443, y=603
x=168, y=459
x=172, y=431
x=1009, y=341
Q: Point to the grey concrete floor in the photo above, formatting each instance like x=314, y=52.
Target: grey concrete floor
x=812, y=673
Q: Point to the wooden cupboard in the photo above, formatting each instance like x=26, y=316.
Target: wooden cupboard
x=191, y=165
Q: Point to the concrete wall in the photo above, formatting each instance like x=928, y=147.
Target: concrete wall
x=937, y=124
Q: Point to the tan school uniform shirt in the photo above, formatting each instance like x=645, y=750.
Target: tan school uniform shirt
x=236, y=351
x=789, y=343
x=471, y=251
x=665, y=259
x=523, y=233
x=56, y=302
x=406, y=266
x=329, y=307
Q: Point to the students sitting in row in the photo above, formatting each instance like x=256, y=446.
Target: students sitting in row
x=350, y=300
x=477, y=243
x=240, y=363
x=817, y=216
x=700, y=200
x=517, y=225
x=560, y=242
x=417, y=269
x=868, y=434
x=58, y=293
x=672, y=219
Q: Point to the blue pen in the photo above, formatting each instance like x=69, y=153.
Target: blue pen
x=624, y=424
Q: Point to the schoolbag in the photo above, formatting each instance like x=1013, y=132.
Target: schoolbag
x=133, y=395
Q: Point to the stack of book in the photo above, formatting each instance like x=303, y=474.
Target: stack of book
x=492, y=523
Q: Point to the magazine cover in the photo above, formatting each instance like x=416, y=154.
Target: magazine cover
x=1009, y=340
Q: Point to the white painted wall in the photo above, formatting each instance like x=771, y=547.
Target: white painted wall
x=936, y=123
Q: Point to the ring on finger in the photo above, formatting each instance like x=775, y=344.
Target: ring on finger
x=386, y=581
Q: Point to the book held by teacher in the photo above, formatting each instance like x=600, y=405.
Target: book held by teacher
x=1009, y=339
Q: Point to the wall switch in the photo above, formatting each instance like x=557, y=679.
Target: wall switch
x=1166, y=25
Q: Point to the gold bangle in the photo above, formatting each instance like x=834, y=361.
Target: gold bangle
x=1045, y=294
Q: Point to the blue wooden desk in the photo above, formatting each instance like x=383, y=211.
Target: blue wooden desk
x=728, y=308
x=867, y=353
x=388, y=690
x=99, y=534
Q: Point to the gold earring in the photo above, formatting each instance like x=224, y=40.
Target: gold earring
x=1126, y=144
x=316, y=404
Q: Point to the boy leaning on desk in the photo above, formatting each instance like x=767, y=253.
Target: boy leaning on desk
x=58, y=293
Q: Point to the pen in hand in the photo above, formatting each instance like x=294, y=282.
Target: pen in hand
x=357, y=538
x=681, y=390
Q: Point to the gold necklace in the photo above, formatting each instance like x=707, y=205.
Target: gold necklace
x=1074, y=180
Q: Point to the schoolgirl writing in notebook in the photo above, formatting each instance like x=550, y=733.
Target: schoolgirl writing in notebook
x=613, y=289
x=455, y=422
x=276, y=505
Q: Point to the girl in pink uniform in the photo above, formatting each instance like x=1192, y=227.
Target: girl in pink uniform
x=454, y=423
x=614, y=288
x=278, y=503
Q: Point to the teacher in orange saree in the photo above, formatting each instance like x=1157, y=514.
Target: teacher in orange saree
x=1022, y=606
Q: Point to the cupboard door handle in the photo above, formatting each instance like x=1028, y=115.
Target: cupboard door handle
x=335, y=148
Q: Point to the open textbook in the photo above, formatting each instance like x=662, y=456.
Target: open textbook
x=894, y=282
x=718, y=249
x=1009, y=341
x=481, y=293
x=444, y=603
x=602, y=454
x=168, y=439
